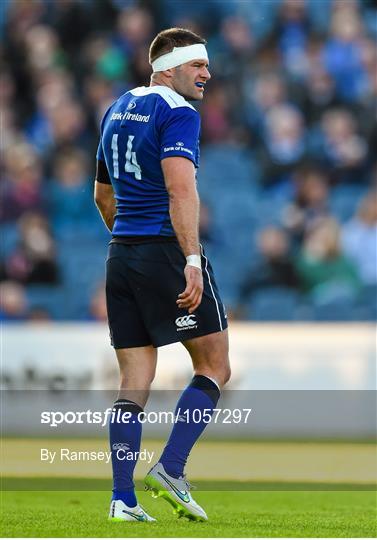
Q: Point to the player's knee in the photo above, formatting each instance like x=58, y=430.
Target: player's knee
x=222, y=375
x=226, y=375
x=141, y=381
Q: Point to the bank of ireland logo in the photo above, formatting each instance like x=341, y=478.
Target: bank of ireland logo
x=179, y=143
x=187, y=322
x=131, y=105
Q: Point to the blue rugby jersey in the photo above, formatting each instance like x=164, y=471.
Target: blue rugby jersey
x=141, y=128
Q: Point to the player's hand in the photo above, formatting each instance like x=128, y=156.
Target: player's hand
x=191, y=297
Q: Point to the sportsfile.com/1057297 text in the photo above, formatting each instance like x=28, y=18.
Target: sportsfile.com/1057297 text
x=195, y=416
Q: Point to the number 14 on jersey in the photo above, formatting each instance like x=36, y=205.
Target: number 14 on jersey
x=131, y=164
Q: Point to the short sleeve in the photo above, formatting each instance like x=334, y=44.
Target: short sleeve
x=180, y=134
x=100, y=155
x=102, y=174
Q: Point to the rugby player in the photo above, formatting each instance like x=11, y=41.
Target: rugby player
x=160, y=287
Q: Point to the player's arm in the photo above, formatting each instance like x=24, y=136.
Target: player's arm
x=104, y=195
x=179, y=174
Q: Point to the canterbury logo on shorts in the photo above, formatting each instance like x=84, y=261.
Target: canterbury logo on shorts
x=120, y=446
x=186, y=322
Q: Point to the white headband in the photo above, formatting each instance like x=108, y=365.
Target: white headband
x=180, y=55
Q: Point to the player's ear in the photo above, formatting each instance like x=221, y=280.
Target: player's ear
x=168, y=73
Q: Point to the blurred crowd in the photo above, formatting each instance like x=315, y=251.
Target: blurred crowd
x=289, y=132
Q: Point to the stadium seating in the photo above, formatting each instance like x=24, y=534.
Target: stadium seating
x=273, y=304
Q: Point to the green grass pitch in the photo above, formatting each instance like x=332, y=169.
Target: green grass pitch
x=231, y=514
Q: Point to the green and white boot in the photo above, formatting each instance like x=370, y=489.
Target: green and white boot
x=175, y=491
x=121, y=512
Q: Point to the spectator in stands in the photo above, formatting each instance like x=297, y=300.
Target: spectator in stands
x=342, y=51
x=359, y=239
x=8, y=115
x=22, y=15
x=98, y=95
x=54, y=87
x=290, y=35
x=342, y=149
x=34, y=260
x=13, y=304
x=368, y=83
x=21, y=189
x=234, y=46
x=73, y=36
x=9, y=133
x=284, y=146
x=42, y=48
x=274, y=268
x=110, y=62
x=134, y=29
x=325, y=272
x=267, y=91
x=366, y=106
x=216, y=124
x=309, y=206
x=319, y=95
x=69, y=126
x=70, y=197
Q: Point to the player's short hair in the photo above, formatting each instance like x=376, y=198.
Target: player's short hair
x=166, y=40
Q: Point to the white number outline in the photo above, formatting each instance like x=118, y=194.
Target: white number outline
x=114, y=148
x=131, y=165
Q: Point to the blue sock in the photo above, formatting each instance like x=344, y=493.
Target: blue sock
x=124, y=437
x=202, y=393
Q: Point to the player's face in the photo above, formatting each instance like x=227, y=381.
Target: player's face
x=189, y=79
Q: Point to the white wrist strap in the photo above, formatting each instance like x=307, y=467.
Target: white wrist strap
x=194, y=260
x=180, y=55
